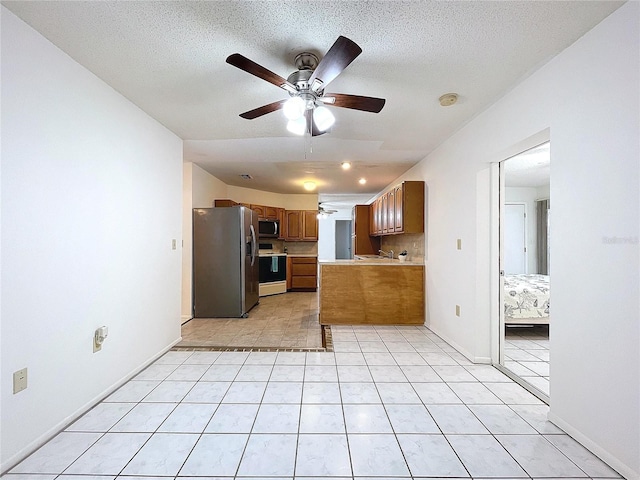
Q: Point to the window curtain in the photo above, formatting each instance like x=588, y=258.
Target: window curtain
x=542, y=241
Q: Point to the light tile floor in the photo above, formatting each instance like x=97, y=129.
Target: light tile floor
x=390, y=402
x=527, y=354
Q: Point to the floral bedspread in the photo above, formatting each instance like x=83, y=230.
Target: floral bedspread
x=526, y=296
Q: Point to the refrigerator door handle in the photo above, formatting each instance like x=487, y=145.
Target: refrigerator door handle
x=253, y=244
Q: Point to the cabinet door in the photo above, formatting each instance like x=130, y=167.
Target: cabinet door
x=399, y=224
x=282, y=234
x=383, y=214
x=372, y=219
x=391, y=211
x=271, y=213
x=259, y=209
x=293, y=222
x=310, y=225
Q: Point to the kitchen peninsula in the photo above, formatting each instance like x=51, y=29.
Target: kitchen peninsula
x=371, y=291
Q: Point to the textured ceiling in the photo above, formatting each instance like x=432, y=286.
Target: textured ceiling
x=531, y=168
x=169, y=59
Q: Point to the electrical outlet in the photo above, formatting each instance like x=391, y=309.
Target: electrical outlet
x=99, y=337
x=19, y=380
x=457, y=310
x=459, y=244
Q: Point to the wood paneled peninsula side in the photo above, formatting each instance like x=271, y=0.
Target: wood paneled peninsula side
x=371, y=292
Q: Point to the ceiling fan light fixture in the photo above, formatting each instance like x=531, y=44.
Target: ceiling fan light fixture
x=309, y=186
x=323, y=118
x=294, y=108
x=297, y=126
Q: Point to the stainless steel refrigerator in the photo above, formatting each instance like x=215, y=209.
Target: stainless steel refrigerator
x=225, y=262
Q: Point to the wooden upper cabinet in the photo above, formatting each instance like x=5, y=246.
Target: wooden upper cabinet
x=398, y=209
x=259, y=209
x=293, y=224
x=391, y=212
x=282, y=234
x=413, y=207
x=378, y=218
x=372, y=219
x=401, y=210
x=224, y=202
x=301, y=225
x=362, y=241
x=383, y=213
x=310, y=225
x=271, y=213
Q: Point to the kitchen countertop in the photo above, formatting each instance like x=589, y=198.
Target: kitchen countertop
x=274, y=254
x=371, y=261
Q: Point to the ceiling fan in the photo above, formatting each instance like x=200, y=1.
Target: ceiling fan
x=306, y=108
x=324, y=212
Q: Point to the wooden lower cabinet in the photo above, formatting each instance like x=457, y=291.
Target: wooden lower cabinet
x=303, y=274
x=352, y=294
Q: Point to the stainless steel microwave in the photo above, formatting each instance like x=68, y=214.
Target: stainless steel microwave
x=269, y=228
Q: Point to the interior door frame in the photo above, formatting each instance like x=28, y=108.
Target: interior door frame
x=497, y=254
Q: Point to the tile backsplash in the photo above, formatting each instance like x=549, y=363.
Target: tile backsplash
x=413, y=243
x=301, y=248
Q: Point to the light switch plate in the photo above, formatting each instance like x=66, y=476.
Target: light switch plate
x=457, y=310
x=19, y=380
x=459, y=244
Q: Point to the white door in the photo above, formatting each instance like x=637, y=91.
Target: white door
x=515, y=254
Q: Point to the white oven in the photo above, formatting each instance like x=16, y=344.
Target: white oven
x=272, y=270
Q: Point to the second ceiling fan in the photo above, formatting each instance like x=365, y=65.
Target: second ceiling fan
x=306, y=108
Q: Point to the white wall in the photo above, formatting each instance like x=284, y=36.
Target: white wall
x=527, y=196
x=595, y=338
x=90, y=204
x=327, y=233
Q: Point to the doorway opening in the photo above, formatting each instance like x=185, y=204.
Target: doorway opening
x=524, y=268
x=343, y=240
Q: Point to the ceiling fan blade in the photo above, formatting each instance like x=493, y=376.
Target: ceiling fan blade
x=249, y=66
x=341, y=54
x=311, y=126
x=263, y=110
x=355, y=102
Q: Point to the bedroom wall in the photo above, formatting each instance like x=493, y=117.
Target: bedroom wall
x=595, y=339
x=90, y=205
x=527, y=196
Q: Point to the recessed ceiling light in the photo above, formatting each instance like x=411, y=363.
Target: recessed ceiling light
x=448, y=99
x=362, y=181
x=309, y=186
x=346, y=165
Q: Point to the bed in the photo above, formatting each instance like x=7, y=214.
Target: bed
x=526, y=299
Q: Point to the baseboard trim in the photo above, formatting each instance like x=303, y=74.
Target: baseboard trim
x=185, y=318
x=52, y=432
x=623, y=469
x=459, y=349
